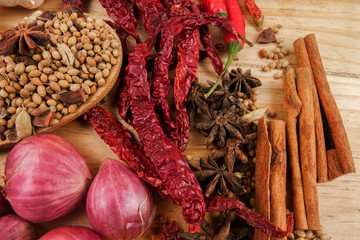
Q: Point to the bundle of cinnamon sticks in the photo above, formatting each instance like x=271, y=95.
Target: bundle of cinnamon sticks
x=318, y=147
x=313, y=142
x=270, y=174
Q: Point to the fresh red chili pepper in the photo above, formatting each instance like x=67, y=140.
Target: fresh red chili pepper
x=123, y=145
x=170, y=164
x=254, y=11
x=122, y=12
x=77, y=3
x=216, y=7
x=186, y=70
x=218, y=203
x=152, y=13
x=232, y=42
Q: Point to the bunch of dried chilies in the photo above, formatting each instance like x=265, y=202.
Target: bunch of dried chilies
x=158, y=157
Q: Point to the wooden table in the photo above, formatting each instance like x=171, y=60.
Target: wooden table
x=336, y=24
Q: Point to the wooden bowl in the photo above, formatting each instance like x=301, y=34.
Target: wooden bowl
x=100, y=93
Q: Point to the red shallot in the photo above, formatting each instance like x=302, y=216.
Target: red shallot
x=4, y=204
x=13, y=227
x=119, y=205
x=71, y=233
x=45, y=178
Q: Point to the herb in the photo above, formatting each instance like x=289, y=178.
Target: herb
x=222, y=181
x=23, y=38
x=223, y=124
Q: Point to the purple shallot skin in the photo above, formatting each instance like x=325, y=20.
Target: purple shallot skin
x=119, y=204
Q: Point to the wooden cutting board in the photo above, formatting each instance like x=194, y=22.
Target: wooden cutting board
x=336, y=25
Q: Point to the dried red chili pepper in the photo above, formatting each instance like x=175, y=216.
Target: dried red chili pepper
x=170, y=164
x=168, y=161
x=161, y=81
x=124, y=145
x=218, y=203
x=123, y=101
x=255, y=12
x=77, y=3
x=122, y=12
x=152, y=13
x=186, y=70
x=210, y=49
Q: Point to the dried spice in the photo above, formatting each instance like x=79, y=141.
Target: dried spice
x=47, y=15
x=72, y=97
x=43, y=120
x=232, y=151
x=222, y=181
x=72, y=4
x=186, y=70
x=66, y=54
x=26, y=59
x=23, y=38
x=23, y=124
x=242, y=82
x=196, y=100
x=221, y=203
x=223, y=125
x=221, y=97
x=266, y=36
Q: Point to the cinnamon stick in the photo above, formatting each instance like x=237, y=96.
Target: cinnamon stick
x=335, y=169
x=303, y=61
x=262, y=176
x=308, y=148
x=331, y=110
x=292, y=106
x=278, y=174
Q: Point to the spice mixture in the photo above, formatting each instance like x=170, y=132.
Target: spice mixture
x=49, y=65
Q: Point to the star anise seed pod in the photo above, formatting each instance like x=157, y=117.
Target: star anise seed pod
x=231, y=152
x=196, y=100
x=222, y=126
x=23, y=38
x=222, y=98
x=241, y=82
x=222, y=181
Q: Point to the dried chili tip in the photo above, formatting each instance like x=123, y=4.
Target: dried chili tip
x=47, y=15
x=43, y=120
x=259, y=21
x=266, y=36
x=72, y=97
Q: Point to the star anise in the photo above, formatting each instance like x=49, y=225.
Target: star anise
x=196, y=100
x=233, y=150
x=223, y=98
x=221, y=181
x=23, y=38
x=238, y=81
x=223, y=124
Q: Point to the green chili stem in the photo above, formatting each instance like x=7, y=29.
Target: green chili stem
x=233, y=47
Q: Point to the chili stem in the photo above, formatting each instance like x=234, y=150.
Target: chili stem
x=233, y=47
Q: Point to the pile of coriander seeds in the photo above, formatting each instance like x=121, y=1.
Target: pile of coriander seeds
x=52, y=81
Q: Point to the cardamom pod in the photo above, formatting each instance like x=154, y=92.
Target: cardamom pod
x=66, y=54
x=23, y=124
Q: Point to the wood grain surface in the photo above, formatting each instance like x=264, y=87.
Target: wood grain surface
x=337, y=29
